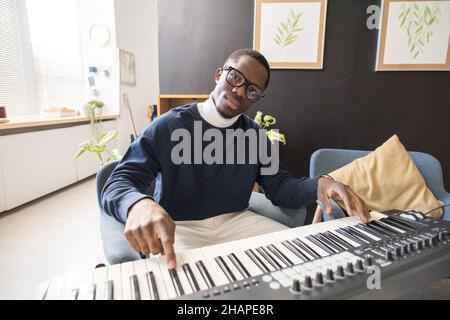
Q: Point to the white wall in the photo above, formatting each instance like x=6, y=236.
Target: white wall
x=137, y=32
x=94, y=13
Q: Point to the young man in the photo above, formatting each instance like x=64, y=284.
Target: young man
x=200, y=185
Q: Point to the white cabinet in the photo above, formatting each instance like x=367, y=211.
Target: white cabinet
x=89, y=163
x=37, y=163
x=2, y=191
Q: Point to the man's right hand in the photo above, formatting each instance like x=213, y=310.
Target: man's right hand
x=149, y=229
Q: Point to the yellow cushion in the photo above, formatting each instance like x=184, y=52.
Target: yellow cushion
x=387, y=178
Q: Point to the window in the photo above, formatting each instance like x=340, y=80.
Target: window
x=41, y=56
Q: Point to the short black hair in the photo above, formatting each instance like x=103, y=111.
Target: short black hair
x=254, y=54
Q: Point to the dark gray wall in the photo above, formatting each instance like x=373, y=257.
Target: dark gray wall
x=345, y=105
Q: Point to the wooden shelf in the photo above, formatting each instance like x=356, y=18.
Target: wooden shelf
x=169, y=101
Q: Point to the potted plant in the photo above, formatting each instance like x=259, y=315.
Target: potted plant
x=93, y=108
x=266, y=122
x=98, y=145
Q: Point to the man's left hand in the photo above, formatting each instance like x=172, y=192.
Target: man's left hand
x=354, y=205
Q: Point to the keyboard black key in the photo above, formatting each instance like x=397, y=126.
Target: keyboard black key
x=92, y=291
x=134, y=284
x=386, y=227
x=238, y=264
x=373, y=232
x=266, y=255
x=358, y=234
x=412, y=224
x=302, y=244
x=348, y=234
x=398, y=225
x=109, y=290
x=339, y=239
x=325, y=241
x=225, y=269
x=152, y=288
x=380, y=229
x=176, y=282
x=191, y=278
x=280, y=255
x=321, y=245
x=257, y=260
x=295, y=250
x=205, y=274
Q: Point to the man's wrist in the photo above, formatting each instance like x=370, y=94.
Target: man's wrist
x=327, y=176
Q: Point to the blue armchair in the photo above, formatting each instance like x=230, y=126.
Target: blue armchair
x=117, y=249
x=327, y=160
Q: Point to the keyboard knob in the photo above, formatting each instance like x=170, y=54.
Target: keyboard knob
x=319, y=278
x=296, y=288
x=428, y=242
x=349, y=268
x=307, y=284
x=411, y=247
x=329, y=275
x=398, y=251
x=340, y=272
x=442, y=235
x=368, y=261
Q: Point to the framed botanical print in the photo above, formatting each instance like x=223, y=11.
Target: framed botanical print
x=414, y=35
x=290, y=33
x=127, y=68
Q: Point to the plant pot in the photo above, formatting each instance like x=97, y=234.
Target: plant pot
x=98, y=111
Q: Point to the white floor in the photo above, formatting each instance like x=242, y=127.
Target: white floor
x=49, y=237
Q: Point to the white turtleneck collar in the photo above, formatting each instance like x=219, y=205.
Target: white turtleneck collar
x=209, y=113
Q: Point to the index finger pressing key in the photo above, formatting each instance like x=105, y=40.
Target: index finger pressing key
x=167, y=240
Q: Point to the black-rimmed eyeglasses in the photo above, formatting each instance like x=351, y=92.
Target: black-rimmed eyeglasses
x=236, y=79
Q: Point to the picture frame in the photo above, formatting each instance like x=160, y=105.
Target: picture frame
x=127, y=68
x=290, y=33
x=414, y=36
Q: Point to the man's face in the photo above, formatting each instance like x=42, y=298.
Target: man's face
x=231, y=101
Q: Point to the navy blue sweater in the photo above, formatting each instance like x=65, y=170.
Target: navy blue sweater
x=195, y=191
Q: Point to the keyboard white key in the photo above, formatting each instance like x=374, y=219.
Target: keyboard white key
x=127, y=272
x=140, y=269
x=115, y=275
x=100, y=278
x=153, y=266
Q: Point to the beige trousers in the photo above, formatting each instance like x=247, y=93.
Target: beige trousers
x=222, y=228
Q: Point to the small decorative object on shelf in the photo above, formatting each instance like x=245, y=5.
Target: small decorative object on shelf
x=3, y=114
x=59, y=112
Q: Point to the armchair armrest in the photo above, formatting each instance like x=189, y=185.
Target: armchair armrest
x=289, y=217
x=445, y=197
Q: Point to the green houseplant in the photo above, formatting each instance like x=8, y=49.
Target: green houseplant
x=93, y=108
x=98, y=145
x=265, y=122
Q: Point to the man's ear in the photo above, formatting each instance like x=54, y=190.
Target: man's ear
x=218, y=74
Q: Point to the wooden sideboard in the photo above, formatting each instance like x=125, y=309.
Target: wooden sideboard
x=169, y=101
